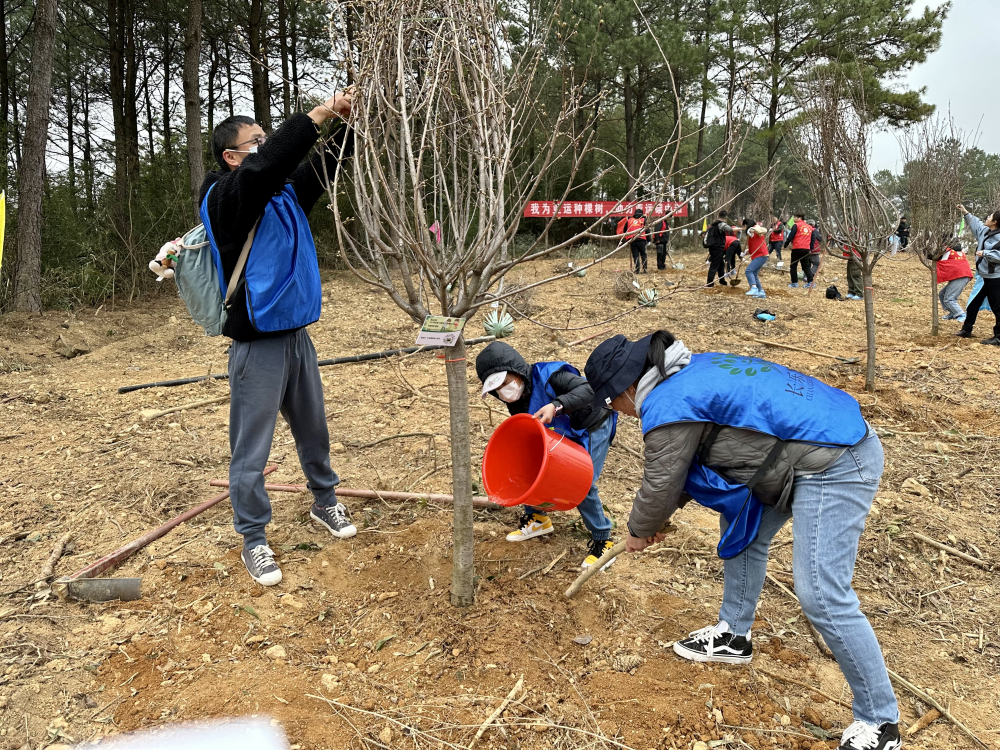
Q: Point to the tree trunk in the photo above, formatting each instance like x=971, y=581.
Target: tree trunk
x=150, y=138
x=122, y=74
x=630, y=168
x=4, y=95
x=28, y=273
x=70, y=136
x=286, y=92
x=772, y=106
x=192, y=102
x=462, y=568
x=168, y=48
x=229, y=72
x=866, y=278
x=293, y=38
x=213, y=71
x=935, y=327
x=16, y=118
x=87, y=157
x=258, y=72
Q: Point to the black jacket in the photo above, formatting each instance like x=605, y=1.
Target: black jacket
x=240, y=196
x=573, y=392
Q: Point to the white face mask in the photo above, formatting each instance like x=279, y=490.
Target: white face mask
x=511, y=392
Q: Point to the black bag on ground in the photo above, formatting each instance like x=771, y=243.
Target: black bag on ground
x=833, y=293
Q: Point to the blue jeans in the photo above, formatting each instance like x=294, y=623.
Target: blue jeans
x=949, y=296
x=752, y=278
x=829, y=515
x=591, y=508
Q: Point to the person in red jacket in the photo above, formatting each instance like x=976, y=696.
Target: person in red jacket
x=733, y=251
x=954, y=272
x=800, y=238
x=757, y=252
x=634, y=229
x=776, y=238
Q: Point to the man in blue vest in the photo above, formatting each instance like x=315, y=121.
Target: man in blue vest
x=755, y=441
x=556, y=394
x=263, y=186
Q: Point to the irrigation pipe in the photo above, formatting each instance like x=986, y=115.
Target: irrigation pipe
x=322, y=363
x=111, y=560
x=479, y=502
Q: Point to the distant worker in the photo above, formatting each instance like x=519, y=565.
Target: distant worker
x=954, y=273
x=800, y=239
x=776, y=238
x=903, y=232
x=855, y=279
x=715, y=241
x=815, y=259
x=661, y=238
x=757, y=253
x=634, y=229
x=987, y=234
x=733, y=251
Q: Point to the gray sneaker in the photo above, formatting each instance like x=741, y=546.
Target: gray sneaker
x=261, y=565
x=334, y=517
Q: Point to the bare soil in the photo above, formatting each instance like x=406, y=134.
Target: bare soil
x=371, y=652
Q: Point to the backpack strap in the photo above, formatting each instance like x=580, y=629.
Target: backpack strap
x=237, y=277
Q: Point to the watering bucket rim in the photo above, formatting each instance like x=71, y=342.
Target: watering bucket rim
x=545, y=458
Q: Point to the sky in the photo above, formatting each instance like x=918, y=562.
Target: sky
x=958, y=77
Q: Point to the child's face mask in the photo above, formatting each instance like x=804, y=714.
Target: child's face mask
x=511, y=392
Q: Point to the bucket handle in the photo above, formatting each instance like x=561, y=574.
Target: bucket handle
x=556, y=444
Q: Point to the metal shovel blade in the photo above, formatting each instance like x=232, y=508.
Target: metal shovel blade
x=105, y=589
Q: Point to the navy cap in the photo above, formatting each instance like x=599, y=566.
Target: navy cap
x=614, y=365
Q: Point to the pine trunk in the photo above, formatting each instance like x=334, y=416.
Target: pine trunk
x=629, y=107
x=935, y=327
x=28, y=273
x=168, y=49
x=258, y=72
x=286, y=92
x=192, y=100
x=462, y=568
x=4, y=95
x=866, y=276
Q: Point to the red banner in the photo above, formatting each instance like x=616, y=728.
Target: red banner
x=591, y=209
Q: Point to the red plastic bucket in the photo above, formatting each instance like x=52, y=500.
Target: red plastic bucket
x=527, y=464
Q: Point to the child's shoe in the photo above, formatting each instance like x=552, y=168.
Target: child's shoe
x=597, y=548
x=531, y=525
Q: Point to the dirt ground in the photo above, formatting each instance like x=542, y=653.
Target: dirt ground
x=359, y=646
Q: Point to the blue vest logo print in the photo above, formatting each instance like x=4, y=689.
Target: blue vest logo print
x=764, y=397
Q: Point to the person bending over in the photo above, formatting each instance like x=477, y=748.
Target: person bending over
x=761, y=462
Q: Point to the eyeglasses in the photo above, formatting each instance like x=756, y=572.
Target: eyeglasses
x=259, y=140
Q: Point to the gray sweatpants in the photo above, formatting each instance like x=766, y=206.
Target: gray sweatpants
x=267, y=376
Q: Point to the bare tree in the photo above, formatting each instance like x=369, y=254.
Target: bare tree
x=446, y=107
x=932, y=154
x=28, y=274
x=833, y=147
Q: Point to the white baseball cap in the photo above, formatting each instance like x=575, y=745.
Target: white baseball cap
x=493, y=382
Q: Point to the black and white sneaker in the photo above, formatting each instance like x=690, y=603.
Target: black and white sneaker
x=261, y=565
x=334, y=517
x=863, y=736
x=716, y=644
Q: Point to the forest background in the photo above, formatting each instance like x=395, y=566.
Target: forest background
x=136, y=89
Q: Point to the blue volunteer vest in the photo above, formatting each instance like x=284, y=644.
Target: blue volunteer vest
x=283, y=289
x=542, y=394
x=752, y=394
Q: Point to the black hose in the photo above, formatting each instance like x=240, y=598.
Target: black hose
x=321, y=363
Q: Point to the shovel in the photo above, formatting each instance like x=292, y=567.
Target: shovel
x=848, y=360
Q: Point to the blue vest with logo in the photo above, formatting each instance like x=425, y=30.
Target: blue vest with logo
x=542, y=394
x=752, y=394
x=281, y=277
x=758, y=395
